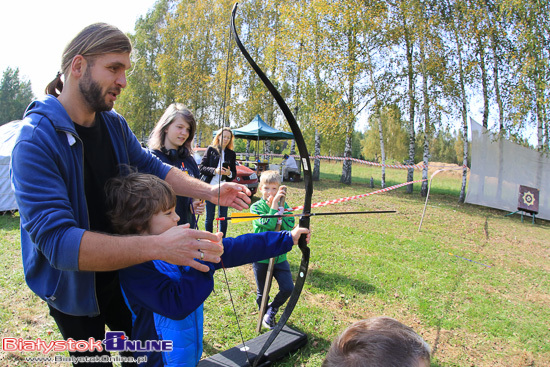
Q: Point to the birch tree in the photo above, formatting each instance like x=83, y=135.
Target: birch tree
x=344, y=45
x=403, y=35
x=453, y=18
x=531, y=65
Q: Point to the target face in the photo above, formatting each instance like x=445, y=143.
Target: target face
x=528, y=199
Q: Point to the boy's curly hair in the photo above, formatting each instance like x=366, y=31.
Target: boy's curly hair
x=378, y=342
x=132, y=200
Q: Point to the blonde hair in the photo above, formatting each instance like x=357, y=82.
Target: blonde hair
x=270, y=177
x=158, y=135
x=132, y=200
x=216, y=142
x=96, y=39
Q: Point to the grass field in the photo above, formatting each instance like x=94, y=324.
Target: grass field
x=491, y=311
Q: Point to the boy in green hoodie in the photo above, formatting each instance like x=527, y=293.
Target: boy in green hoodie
x=272, y=193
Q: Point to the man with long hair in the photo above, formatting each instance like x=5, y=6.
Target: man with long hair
x=71, y=143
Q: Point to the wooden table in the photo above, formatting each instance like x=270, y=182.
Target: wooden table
x=261, y=167
x=258, y=166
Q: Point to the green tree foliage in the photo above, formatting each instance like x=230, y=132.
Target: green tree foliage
x=395, y=136
x=15, y=96
x=443, y=147
x=418, y=65
x=530, y=58
x=142, y=102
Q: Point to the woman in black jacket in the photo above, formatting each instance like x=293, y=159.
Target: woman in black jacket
x=218, y=164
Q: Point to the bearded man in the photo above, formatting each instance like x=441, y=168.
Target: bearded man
x=71, y=143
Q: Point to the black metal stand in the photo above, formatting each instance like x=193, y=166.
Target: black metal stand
x=288, y=341
x=522, y=213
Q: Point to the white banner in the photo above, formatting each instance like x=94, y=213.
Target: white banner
x=499, y=167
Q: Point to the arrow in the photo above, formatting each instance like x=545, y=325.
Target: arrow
x=460, y=257
x=245, y=217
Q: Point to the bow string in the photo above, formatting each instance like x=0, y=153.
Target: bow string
x=308, y=182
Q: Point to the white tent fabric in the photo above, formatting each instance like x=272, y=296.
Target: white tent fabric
x=8, y=135
x=499, y=167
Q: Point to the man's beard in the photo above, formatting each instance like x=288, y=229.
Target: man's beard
x=92, y=93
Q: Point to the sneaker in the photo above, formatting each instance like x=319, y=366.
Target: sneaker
x=269, y=318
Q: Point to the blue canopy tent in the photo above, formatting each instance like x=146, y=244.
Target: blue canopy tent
x=258, y=130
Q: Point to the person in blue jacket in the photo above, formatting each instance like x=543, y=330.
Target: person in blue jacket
x=70, y=144
x=171, y=141
x=161, y=296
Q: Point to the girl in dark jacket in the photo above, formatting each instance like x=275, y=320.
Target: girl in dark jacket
x=171, y=141
x=218, y=164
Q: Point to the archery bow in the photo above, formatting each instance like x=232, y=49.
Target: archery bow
x=304, y=220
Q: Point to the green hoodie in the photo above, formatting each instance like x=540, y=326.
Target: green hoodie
x=268, y=224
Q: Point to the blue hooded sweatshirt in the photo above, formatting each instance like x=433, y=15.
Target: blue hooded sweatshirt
x=164, y=298
x=48, y=178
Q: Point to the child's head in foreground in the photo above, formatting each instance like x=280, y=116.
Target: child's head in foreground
x=378, y=342
x=140, y=203
x=269, y=184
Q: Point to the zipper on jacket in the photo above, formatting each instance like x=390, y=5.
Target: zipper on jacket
x=124, y=139
x=77, y=138
x=197, y=336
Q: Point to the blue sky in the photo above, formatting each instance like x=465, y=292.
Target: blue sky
x=35, y=32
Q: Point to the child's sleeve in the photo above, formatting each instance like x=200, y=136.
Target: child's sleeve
x=147, y=286
x=250, y=247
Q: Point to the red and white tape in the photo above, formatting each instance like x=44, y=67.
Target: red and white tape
x=406, y=166
x=341, y=200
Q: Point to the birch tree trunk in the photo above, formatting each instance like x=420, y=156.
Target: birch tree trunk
x=426, y=117
x=464, y=114
x=346, y=167
x=292, y=147
x=382, y=150
x=350, y=124
x=462, y=95
x=317, y=161
x=485, y=90
x=297, y=95
x=462, y=196
x=378, y=113
x=497, y=83
x=409, y=48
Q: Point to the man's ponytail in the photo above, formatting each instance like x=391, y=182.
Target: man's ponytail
x=55, y=86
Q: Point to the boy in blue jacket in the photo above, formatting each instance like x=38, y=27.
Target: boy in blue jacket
x=165, y=299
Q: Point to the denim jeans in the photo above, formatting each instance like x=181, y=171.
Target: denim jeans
x=210, y=216
x=281, y=273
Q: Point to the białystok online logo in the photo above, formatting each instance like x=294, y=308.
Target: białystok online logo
x=115, y=341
